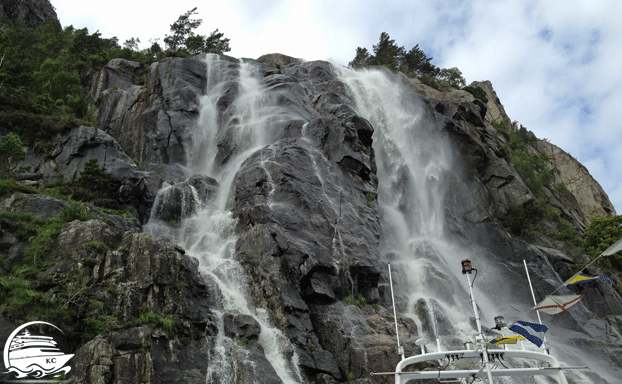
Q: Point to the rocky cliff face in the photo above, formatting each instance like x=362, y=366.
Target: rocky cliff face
x=308, y=235
x=483, y=147
x=31, y=12
x=590, y=197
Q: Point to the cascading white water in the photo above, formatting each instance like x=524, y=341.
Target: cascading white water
x=209, y=234
x=414, y=164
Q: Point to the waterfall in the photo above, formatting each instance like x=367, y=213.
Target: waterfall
x=236, y=115
x=415, y=166
x=242, y=115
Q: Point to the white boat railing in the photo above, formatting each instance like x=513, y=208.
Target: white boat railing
x=483, y=362
x=404, y=371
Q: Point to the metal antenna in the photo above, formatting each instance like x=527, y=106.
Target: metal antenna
x=466, y=270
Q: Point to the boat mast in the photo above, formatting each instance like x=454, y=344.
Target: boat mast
x=467, y=268
x=404, y=374
x=546, y=346
x=400, y=349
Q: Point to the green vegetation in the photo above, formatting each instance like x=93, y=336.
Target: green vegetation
x=19, y=298
x=8, y=187
x=76, y=210
x=93, y=182
x=38, y=130
x=123, y=212
x=413, y=63
x=451, y=77
x=370, y=198
x=533, y=168
x=351, y=377
x=94, y=178
x=41, y=233
x=167, y=323
x=45, y=71
x=100, y=325
x=600, y=235
x=358, y=300
x=477, y=92
x=183, y=39
x=97, y=246
x=11, y=153
x=386, y=53
x=243, y=342
x=21, y=225
x=95, y=304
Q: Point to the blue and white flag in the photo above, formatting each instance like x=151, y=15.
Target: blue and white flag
x=532, y=332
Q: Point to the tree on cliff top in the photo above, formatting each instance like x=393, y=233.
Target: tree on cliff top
x=182, y=37
x=413, y=63
x=387, y=53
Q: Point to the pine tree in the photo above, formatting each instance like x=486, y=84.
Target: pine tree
x=387, y=53
x=94, y=178
x=183, y=37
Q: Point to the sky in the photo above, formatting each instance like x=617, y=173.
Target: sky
x=555, y=64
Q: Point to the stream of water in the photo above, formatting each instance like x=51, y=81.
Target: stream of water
x=414, y=169
x=236, y=110
x=414, y=165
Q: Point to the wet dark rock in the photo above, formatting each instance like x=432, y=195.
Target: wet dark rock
x=308, y=226
x=179, y=362
x=170, y=173
x=183, y=199
x=179, y=203
x=255, y=368
x=93, y=362
x=239, y=326
x=433, y=323
x=154, y=123
x=206, y=187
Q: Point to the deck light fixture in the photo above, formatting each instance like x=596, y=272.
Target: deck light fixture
x=422, y=343
x=500, y=323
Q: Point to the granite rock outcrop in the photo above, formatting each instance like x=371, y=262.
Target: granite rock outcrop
x=307, y=216
x=31, y=12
